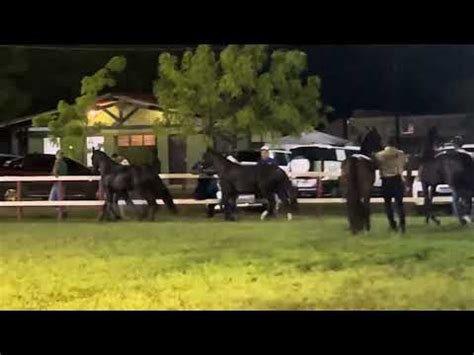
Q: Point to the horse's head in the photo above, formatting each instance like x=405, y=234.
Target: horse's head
x=210, y=158
x=98, y=160
x=432, y=139
x=371, y=143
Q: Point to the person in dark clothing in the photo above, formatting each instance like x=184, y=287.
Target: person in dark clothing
x=206, y=186
x=267, y=160
x=391, y=163
x=265, y=157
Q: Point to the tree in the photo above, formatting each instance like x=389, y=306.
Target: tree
x=70, y=122
x=14, y=100
x=243, y=90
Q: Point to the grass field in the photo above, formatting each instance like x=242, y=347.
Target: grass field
x=194, y=263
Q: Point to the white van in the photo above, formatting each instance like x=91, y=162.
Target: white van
x=322, y=158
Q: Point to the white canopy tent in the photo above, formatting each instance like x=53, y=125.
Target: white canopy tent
x=308, y=138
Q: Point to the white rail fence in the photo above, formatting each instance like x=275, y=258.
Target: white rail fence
x=19, y=204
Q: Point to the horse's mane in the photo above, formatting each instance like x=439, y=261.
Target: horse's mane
x=371, y=142
x=428, y=150
x=221, y=157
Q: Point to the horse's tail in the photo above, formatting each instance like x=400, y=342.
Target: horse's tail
x=291, y=192
x=353, y=198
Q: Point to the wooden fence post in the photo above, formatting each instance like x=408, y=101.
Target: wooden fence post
x=61, y=198
x=19, y=209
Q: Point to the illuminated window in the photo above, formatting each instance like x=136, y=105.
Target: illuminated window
x=123, y=141
x=136, y=140
x=149, y=140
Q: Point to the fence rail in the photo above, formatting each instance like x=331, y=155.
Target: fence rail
x=20, y=204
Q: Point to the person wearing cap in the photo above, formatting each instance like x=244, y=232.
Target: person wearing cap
x=265, y=157
x=457, y=142
x=119, y=159
x=391, y=162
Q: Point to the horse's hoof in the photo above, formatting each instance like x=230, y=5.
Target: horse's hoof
x=289, y=216
x=263, y=215
x=467, y=219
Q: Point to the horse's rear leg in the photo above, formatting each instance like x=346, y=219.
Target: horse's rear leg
x=428, y=204
x=286, y=205
x=367, y=213
x=270, y=197
x=152, y=207
x=129, y=202
x=105, y=213
x=228, y=201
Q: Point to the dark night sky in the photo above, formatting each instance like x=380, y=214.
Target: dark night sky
x=409, y=79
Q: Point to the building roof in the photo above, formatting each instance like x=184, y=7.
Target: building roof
x=138, y=100
x=24, y=119
x=144, y=101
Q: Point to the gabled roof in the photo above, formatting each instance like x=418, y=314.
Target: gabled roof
x=138, y=100
x=144, y=101
x=24, y=119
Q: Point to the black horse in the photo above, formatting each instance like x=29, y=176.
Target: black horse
x=453, y=167
x=357, y=180
x=118, y=182
x=264, y=180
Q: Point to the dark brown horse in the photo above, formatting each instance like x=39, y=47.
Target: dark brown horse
x=454, y=167
x=357, y=180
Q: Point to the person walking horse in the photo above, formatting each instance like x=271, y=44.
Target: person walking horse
x=265, y=158
x=391, y=162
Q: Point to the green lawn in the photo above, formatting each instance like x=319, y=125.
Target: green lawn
x=195, y=263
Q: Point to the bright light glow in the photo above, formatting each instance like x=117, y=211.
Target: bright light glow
x=93, y=113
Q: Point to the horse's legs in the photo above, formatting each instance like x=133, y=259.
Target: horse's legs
x=152, y=206
x=427, y=203
x=228, y=200
x=109, y=199
x=211, y=210
x=367, y=213
x=428, y=196
x=231, y=207
x=114, y=207
x=270, y=197
x=455, y=204
x=463, y=202
x=129, y=202
x=284, y=201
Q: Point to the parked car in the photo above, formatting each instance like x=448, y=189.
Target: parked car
x=41, y=165
x=322, y=158
x=7, y=157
